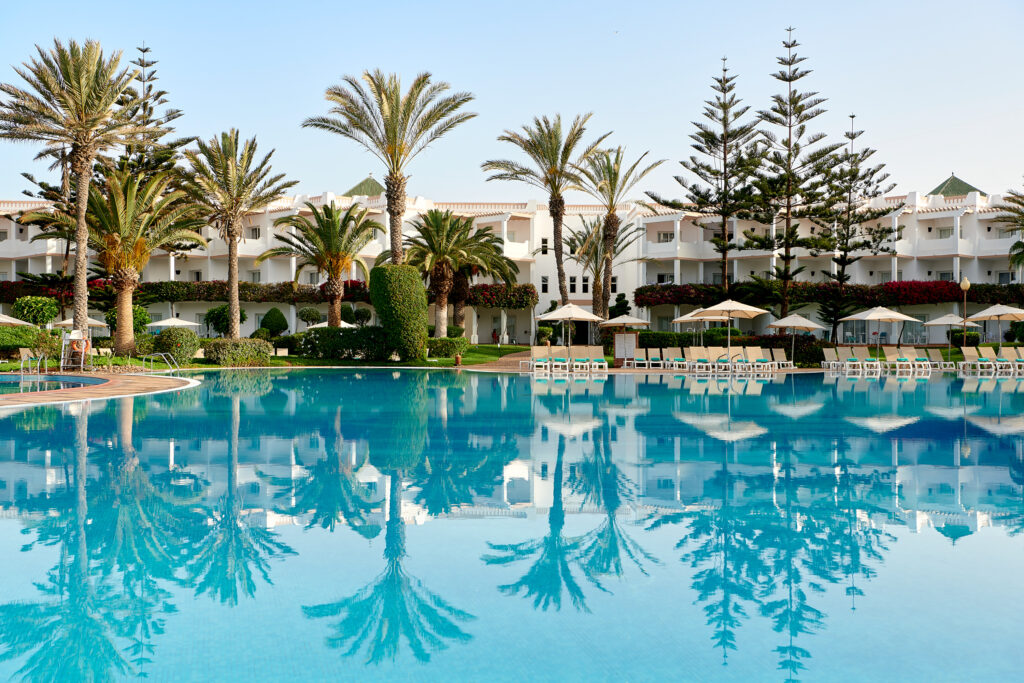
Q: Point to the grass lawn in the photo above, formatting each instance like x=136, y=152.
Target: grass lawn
x=474, y=356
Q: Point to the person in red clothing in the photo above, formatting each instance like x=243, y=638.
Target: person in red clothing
x=494, y=335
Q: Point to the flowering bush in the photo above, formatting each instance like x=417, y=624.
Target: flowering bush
x=179, y=343
x=502, y=296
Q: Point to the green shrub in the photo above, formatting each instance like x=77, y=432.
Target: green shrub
x=718, y=335
x=218, y=319
x=453, y=330
x=179, y=343
x=38, y=310
x=239, y=352
x=400, y=299
x=274, y=322
x=261, y=333
x=103, y=342
x=368, y=343
x=1017, y=329
x=140, y=318
x=309, y=315
x=292, y=342
x=14, y=338
x=143, y=344
x=544, y=334
x=362, y=316
x=448, y=347
x=46, y=343
x=956, y=337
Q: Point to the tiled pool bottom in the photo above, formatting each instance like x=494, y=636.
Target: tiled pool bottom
x=485, y=527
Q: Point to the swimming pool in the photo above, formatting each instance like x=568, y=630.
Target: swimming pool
x=14, y=384
x=273, y=525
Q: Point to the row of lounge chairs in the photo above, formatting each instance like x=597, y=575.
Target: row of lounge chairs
x=908, y=360
x=712, y=359
x=566, y=359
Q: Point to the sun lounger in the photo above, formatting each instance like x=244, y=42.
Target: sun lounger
x=831, y=361
x=937, y=361
x=760, y=360
x=781, y=362
x=539, y=360
x=848, y=361
x=972, y=362
x=868, y=363
x=559, y=358
x=579, y=358
x=918, y=359
x=674, y=358
x=655, y=359
x=719, y=361
x=697, y=359
x=897, y=361
x=1002, y=366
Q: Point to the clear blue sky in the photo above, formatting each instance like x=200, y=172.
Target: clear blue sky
x=936, y=85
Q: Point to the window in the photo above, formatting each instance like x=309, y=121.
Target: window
x=3, y=235
x=664, y=278
x=254, y=233
x=197, y=275
x=664, y=323
x=510, y=236
x=664, y=483
x=615, y=284
x=572, y=284
x=945, y=275
x=1005, y=277
x=254, y=276
x=4, y=276
x=259, y=320
x=586, y=284
x=312, y=278
x=665, y=237
x=945, y=233
x=544, y=246
x=543, y=284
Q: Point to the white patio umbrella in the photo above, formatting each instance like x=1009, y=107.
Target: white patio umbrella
x=951, y=321
x=569, y=312
x=8, y=321
x=624, y=321
x=731, y=309
x=882, y=423
x=89, y=322
x=341, y=324
x=797, y=322
x=881, y=314
x=691, y=317
x=796, y=411
x=999, y=426
x=999, y=312
x=173, y=322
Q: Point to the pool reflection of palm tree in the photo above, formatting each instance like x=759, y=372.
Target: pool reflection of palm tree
x=330, y=490
x=554, y=555
x=601, y=483
x=233, y=552
x=70, y=635
x=395, y=606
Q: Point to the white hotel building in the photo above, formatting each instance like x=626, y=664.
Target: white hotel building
x=946, y=234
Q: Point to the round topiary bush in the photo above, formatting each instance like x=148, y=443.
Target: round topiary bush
x=38, y=310
x=309, y=315
x=179, y=343
x=274, y=322
x=261, y=333
x=140, y=318
x=398, y=295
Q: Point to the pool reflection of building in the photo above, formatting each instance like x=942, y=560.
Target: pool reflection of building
x=938, y=471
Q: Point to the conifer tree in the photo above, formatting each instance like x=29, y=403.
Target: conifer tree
x=728, y=154
x=851, y=227
x=792, y=182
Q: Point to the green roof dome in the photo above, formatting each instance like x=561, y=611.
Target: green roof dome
x=367, y=187
x=954, y=187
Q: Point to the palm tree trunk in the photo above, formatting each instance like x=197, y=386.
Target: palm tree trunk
x=441, y=312
x=394, y=191
x=597, y=293
x=124, y=330
x=80, y=307
x=611, y=236
x=335, y=290
x=81, y=561
x=234, y=309
x=459, y=314
x=556, y=208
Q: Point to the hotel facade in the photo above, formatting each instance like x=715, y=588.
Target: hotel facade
x=946, y=234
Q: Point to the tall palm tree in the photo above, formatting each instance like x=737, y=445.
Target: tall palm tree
x=496, y=265
x=556, y=157
x=392, y=126
x=1013, y=218
x=444, y=243
x=77, y=98
x=608, y=179
x=330, y=243
x=129, y=220
x=227, y=182
x=587, y=248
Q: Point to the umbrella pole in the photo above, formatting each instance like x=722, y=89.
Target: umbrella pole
x=728, y=343
x=792, y=348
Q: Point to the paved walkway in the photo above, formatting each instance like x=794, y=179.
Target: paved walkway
x=115, y=385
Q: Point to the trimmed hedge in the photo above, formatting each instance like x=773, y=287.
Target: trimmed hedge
x=368, y=343
x=274, y=322
x=447, y=347
x=38, y=310
x=453, y=331
x=14, y=338
x=239, y=352
x=179, y=343
x=956, y=337
x=398, y=294
x=289, y=341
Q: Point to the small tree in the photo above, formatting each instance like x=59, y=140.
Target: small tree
x=309, y=315
x=620, y=307
x=38, y=310
x=218, y=319
x=274, y=322
x=362, y=316
x=140, y=318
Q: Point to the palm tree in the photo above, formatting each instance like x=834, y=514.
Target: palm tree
x=496, y=265
x=608, y=179
x=129, y=220
x=227, y=183
x=77, y=98
x=444, y=244
x=392, y=126
x=330, y=243
x=1013, y=219
x=587, y=248
x=555, y=169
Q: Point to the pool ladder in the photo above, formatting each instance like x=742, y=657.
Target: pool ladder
x=40, y=364
x=167, y=359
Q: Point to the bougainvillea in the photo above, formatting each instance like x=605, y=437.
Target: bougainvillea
x=503, y=296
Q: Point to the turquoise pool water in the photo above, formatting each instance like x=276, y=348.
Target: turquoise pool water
x=306, y=525
x=14, y=384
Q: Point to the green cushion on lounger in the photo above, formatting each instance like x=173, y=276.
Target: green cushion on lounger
x=924, y=359
x=855, y=360
x=561, y=360
x=903, y=360
x=702, y=360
